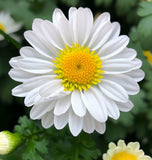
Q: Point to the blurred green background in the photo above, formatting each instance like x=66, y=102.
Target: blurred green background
x=135, y=18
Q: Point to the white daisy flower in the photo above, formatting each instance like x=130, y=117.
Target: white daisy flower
x=122, y=151
x=8, y=25
x=77, y=71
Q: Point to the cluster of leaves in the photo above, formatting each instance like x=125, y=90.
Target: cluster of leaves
x=41, y=144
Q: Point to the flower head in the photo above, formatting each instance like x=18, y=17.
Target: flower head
x=122, y=151
x=7, y=24
x=8, y=142
x=77, y=72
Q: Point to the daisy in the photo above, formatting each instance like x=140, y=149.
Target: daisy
x=122, y=151
x=77, y=72
x=8, y=25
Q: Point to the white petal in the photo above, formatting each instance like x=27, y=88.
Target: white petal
x=65, y=31
x=112, y=108
x=71, y=14
x=77, y=104
x=36, y=24
x=19, y=75
x=100, y=37
x=88, y=123
x=97, y=93
x=137, y=62
x=137, y=75
x=38, y=81
x=52, y=34
x=61, y=121
x=113, y=91
x=93, y=105
x=37, y=28
x=39, y=110
x=31, y=96
x=125, y=107
x=36, y=66
x=100, y=22
x=117, y=66
x=82, y=24
x=39, y=44
x=14, y=61
x=128, y=83
x=62, y=105
x=19, y=91
x=100, y=127
x=47, y=119
x=116, y=30
x=52, y=89
x=57, y=14
x=75, y=123
x=13, y=28
x=113, y=47
x=127, y=53
x=29, y=52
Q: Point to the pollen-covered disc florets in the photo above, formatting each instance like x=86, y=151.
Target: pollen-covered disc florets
x=78, y=67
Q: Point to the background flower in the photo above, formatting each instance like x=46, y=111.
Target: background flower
x=123, y=151
x=8, y=25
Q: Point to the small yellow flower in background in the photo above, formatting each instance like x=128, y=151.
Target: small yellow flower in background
x=8, y=25
x=122, y=151
x=8, y=142
x=148, y=54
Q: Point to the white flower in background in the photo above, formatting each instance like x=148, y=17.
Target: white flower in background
x=8, y=142
x=122, y=151
x=77, y=71
x=8, y=25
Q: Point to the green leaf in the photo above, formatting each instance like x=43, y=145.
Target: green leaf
x=25, y=127
x=123, y=6
x=139, y=102
x=98, y=2
x=33, y=148
x=70, y=2
x=144, y=27
x=145, y=9
x=126, y=118
x=115, y=132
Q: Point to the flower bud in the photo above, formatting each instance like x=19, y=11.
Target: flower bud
x=8, y=142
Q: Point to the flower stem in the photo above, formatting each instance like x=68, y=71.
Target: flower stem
x=13, y=41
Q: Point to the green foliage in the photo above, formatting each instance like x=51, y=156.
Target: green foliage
x=144, y=27
x=33, y=148
x=27, y=10
x=145, y=9
x=104, y=2
x=123, y=7
x=41, y=144
x=70, y=2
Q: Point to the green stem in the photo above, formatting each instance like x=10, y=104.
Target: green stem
x=13, y=41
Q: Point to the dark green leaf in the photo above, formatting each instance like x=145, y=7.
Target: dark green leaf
x=145, y=9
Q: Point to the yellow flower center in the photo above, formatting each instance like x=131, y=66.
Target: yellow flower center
x=78, y=67
x=148, y=54
x=124, y=156
x=2, y=27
